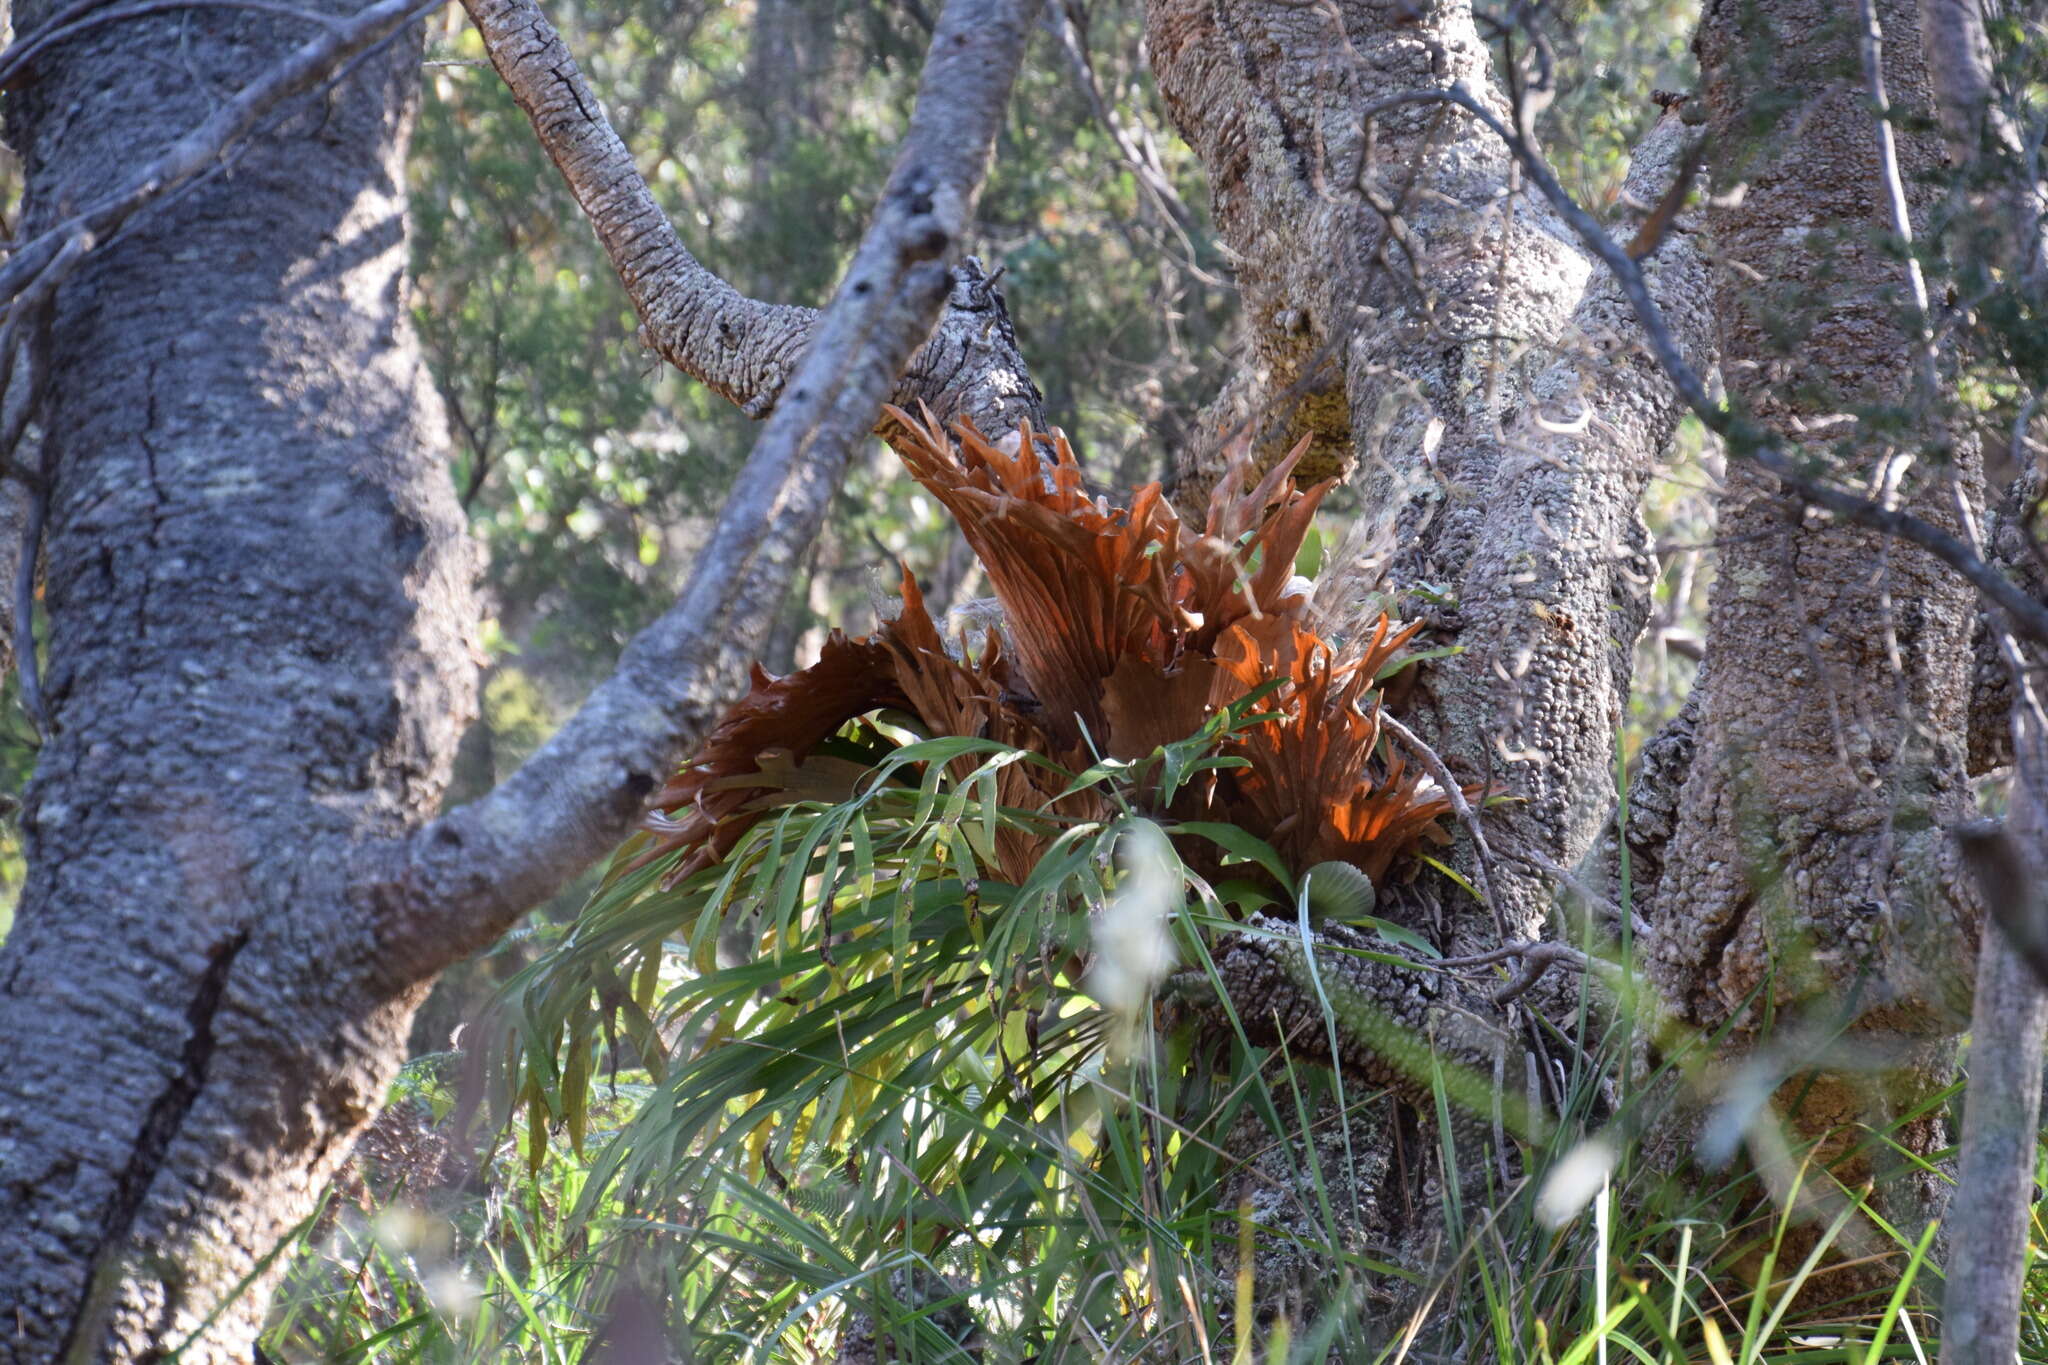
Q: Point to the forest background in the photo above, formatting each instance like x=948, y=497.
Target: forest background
x=591, y=472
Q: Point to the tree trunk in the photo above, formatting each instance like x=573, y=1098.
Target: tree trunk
x=1810, y=877
x=258, y=591
x=1387, y=284
x=259, y=595
x=1410, y=308
x=1414, y=308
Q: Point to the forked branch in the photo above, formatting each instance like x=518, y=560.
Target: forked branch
x=742, y=348
x=457, y=883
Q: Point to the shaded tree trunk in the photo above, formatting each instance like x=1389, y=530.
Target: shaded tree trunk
x=1427, y=320
x=1810, y=876
x=1412, y=309
x=1386, y=282
x=259, y=594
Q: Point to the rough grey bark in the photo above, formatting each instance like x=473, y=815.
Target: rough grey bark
x=1387, y=281
x=16, y=413
x=260, y=599
x=1809, y=861
x=1997, y=198
x=1655, y=788
x=1510, y=479
x=1556, y=590
x=39, y=261
x=1505, y=416
x=1957, y=50
x=259, y=594
x=2014, y=545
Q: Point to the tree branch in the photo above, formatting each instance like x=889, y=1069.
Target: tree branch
x=1397, y=1024
x=2002, y=1109
x=458, y=882
x=743, y=349
x=1958, y=54
x=1557, y=545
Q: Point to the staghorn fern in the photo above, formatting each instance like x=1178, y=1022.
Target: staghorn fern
x=1124, y=635
x=851, y=945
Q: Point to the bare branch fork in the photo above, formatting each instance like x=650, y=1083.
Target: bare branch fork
x=744, y=349
x=1536, y=959
x=459, y=881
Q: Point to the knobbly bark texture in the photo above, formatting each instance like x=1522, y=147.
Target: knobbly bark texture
x=2013, y=544
x=1410, y=304
x=2000, y=228
x=1808, y=871
x=1388, y=279
x=1556, y=590
x=259, y=595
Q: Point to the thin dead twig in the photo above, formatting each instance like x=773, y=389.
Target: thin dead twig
x=1440, y=773
x=1536, y=959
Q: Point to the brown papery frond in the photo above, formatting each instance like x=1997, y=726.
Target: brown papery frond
x=761, y=755
x=1123, y=635
x=760, y=747
x=1241, y=564
x=1082, y=584
x=1094, y=592
x=1318, y=785
x=976, y=697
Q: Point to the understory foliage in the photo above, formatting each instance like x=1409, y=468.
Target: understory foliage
x=887, y=954
x=875, y=1034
